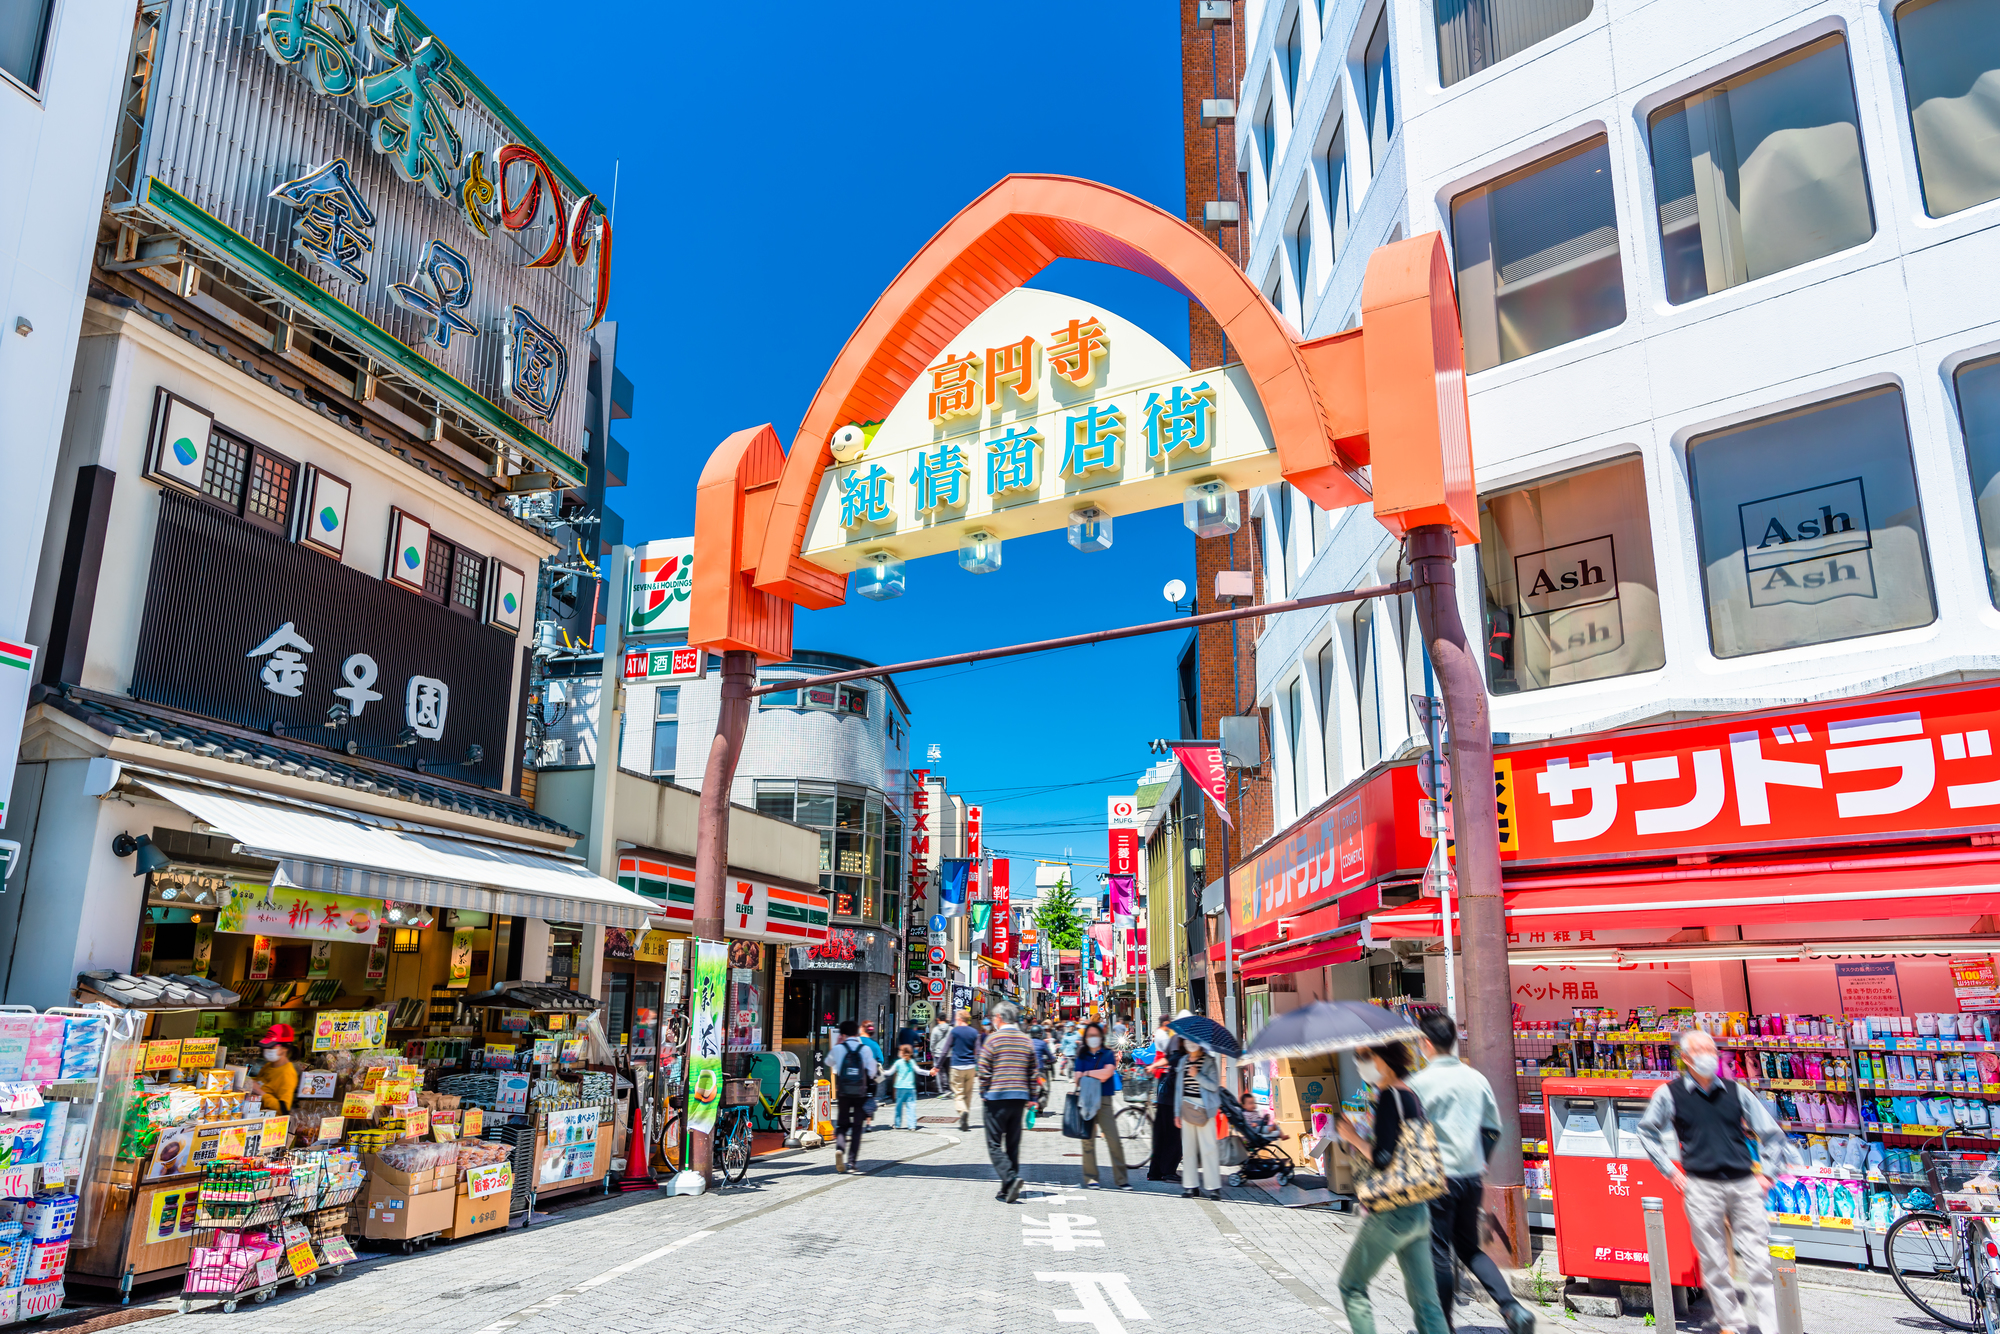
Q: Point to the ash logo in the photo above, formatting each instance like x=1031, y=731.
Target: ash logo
x=1569, y=598
x=1808, y=546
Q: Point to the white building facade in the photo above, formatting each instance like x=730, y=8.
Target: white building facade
x=1726, y=277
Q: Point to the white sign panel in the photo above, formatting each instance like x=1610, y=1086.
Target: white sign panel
x=662, y=582
x=1122, y=812
x=1042, y=406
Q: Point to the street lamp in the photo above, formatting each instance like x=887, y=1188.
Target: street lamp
x=1210, y=509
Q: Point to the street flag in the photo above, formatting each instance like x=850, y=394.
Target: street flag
x=1124, y=899
x=953, y=874
x=982, y=913
x=1204, y=765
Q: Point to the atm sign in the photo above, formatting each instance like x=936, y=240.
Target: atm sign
x=665, y=664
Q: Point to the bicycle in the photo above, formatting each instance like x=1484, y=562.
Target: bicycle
x=731, y=1140
x=1948, y=1265
x=1135, y=1118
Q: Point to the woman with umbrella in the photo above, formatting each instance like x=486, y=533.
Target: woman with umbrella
x=1376, y=1037
x=1164, y=1164
x=1198, y=1100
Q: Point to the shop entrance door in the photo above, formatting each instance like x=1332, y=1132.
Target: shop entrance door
x=815, y=1005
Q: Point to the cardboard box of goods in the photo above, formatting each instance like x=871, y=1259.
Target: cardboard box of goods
x=409, y=1216
x=475, y=1216
x=392, y=1180
x=1295, y=1067
x=1295, y=1096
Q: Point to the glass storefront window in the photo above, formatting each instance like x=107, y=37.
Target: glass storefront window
x=1571, y=593
x=1760, y=173
x=775, y=798
x=1979, y=410
x=1537, y=254
x=1951, y=77
x=1809, y=527
x=861, y=872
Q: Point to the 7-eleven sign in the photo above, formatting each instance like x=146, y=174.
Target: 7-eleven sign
x=662, y=581
x=17, y=673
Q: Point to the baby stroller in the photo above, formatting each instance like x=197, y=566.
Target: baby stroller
x=1262, y=1157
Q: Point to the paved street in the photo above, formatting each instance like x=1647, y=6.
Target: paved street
x=915, y=1242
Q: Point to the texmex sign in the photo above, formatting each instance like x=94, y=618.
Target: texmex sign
x=1871, y=769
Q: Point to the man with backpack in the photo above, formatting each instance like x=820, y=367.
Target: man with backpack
x=852, y=1061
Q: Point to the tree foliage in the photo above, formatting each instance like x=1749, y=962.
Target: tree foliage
x=1058, y=918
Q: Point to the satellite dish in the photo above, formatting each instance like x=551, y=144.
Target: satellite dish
x=1174, y=591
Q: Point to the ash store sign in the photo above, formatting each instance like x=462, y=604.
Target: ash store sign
x=301, y=646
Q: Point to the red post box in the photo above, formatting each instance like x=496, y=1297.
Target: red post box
x=1598, y=1172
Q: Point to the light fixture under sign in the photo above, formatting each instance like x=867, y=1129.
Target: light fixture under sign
x=406, y=940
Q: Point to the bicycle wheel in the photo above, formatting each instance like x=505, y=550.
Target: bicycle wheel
x=1925, y=1258
x=1135, y=1132
x=669, y=1144
x=735, y=1164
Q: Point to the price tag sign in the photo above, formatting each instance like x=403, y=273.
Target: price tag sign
x=198, y=1053
x=331, y=1128
x=163, y=1054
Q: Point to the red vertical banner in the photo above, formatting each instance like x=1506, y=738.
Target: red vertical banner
x=1204, y=765
x=1001, y=932
x=972, y=816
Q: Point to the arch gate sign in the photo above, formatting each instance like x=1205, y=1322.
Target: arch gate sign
x=964, y=403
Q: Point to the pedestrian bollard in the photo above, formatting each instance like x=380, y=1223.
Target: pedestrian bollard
x=1653, y=1207
x=1785, y=1281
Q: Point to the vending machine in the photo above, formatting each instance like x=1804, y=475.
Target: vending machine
x=1598, y=1173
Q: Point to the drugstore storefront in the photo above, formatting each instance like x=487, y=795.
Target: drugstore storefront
x=1814, y=885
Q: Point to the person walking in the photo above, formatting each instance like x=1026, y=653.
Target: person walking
x=1006, y=1083
x=1070, y=1039
x=1404, y=1232
x=1165, y=1162
x=1708, y=1160
x=1463, y=1113
x=903, y=1079
x=1198, y=1103
x=1097, y=1063
x=962, y=1050
x=854, y=1069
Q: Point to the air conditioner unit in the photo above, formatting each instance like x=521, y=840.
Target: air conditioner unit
x=1215, y=110
x=1208, y=13
x=554, y=751
x=1218, y=211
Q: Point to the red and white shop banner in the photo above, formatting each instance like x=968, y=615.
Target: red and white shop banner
x=1804, y=894
x=974, y=816
x=1204, y=765
x=1871, y=769
x=1000, y=934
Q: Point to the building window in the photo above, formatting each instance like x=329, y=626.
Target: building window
x=1475, y=34
x=1538, y=262
x=666, y=730
x=1367, y=687
x=249, y=480
x=1295, y=737
x=1378, y=87
x=1571, y=593
x=853, y=700
x=1979, y=410
x=853, y=821
x=24, y=35
x=1293, y=54
x=1951, y=76
x=1333, y=178
x=779, y=699
x=1302, y=251
x=1809, y=527
x=468, y=577
x=1329, y=737
x=437, y=569
x=1760, y=173
x=1267, y=143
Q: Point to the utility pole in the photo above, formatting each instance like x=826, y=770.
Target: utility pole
x=1433, y=551
x=711, y=855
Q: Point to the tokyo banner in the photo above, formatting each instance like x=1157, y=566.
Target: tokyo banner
x=711, y=962
x=1204, y=765
x=1003, y=921
x=953, y=882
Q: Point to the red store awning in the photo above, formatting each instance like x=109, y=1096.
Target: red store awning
x=1343, y=948
x=1800, y=894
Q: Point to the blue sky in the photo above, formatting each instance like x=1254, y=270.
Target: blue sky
x=777, y=165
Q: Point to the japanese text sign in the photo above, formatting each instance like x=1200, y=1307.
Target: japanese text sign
x=1857, y=770
x=299, y=914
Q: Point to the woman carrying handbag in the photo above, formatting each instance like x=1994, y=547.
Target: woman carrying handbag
x=1403, y=1173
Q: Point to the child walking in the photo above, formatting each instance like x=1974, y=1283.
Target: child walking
x=905, y=1073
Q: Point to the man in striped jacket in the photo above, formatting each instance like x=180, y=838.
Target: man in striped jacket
x=1006, y=1084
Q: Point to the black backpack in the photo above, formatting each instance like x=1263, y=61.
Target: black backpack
x=852, y=1079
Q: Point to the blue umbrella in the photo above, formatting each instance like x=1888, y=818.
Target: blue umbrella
x=1324, y=1027
x=1211, y=1035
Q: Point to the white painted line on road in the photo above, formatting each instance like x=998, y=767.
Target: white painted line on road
x=1061, y=1232
x=555, y=1299
x=1093, y=1308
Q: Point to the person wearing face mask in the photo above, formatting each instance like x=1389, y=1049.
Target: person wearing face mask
x=1097, y=1064
x=1708, y=1160
x=1404, y=1232
x=1197, y=1101
x=278, y=1081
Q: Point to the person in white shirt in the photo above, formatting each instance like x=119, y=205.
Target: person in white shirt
x=853, y=1066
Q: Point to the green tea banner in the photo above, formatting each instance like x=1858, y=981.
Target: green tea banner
x=711, y=966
